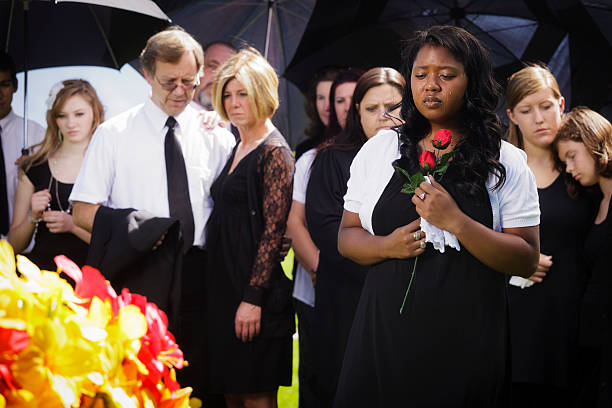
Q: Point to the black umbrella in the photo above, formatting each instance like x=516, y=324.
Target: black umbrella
x=370, y=34
x=274, y=27
x=572, y=36
x=41, y=33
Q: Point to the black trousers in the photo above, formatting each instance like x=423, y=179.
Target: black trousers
x=191, y=334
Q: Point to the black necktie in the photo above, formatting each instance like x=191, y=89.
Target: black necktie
x=4, y=209
x=178, y=188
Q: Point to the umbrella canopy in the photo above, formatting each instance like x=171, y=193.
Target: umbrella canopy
x=273, y=27
x=71, y=33
x=41, y=34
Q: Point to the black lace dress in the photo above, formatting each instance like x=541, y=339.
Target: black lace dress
x=244, y=234
x=450, y=346
x=46, y=244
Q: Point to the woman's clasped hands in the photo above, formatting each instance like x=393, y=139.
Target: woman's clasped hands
x=437, y=206
x=407, y=241
x=56, y=221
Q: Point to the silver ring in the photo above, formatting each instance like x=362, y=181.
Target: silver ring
x=422, y=196
x=417, y=236
x=423, y=244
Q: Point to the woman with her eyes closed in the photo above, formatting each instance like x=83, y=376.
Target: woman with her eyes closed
x=449, y=346
x=248, y=315
x=46, y=178
x=544, y=312
x=584, y=150
x=339, y=280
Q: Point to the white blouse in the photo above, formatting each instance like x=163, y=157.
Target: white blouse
x=515, y=204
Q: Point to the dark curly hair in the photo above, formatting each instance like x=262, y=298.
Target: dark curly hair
x=477, y=155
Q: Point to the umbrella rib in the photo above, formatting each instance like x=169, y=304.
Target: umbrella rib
x=10, y=25
x=108, y=46
x=291, y=12
x=250, y=23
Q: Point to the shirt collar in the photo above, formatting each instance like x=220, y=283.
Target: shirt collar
x=158, y=117
x=8, y=118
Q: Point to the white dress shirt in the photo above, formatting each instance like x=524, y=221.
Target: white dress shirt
x=302, y=284
x=124, y=166
x=12, y=143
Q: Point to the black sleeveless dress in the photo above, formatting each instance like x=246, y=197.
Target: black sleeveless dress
x=544, y=318
x=450, y=346
x=46, y=244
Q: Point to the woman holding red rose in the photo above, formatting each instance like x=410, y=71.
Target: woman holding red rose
x=449, y=347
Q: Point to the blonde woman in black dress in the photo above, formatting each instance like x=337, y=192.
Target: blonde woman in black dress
x=46, y=178
x=249, y=319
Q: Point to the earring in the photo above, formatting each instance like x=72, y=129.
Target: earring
x=60, y=136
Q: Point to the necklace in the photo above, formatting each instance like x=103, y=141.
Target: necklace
x=57, y=199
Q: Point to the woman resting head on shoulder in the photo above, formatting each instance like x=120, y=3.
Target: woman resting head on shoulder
x=47, y=176
x=584, y=149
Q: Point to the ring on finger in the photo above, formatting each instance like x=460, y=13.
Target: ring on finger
x=422, y=195
x=417, y=236
x=423, y=244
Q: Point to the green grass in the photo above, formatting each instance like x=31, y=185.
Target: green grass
x=288, y=396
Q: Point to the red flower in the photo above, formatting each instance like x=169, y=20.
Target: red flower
x=427, y=160
x=89, y=282
x=12, y=342
x=442, y=139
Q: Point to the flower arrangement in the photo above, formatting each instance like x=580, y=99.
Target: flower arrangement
x=81, y=347
x=432, y=164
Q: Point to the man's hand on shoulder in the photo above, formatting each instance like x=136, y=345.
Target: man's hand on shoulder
x=211, y=119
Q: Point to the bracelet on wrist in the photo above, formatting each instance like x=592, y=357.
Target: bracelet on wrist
x=33, y=220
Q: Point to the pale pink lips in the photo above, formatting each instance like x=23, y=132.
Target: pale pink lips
x=432, y=102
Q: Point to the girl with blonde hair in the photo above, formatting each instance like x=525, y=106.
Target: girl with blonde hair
x=544, y=309
x=42, y=209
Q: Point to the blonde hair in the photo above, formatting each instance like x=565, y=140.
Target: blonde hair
x=257, y=76
x=53, y=140
x=594, y=131
x=523, y=83
x=169, y=46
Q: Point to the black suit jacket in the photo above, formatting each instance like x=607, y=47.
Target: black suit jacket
x=121, y=248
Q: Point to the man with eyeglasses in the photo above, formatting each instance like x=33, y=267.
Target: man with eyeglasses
x=11, y=140
x=158, y=157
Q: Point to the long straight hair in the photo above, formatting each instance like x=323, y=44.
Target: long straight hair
x=52, y=140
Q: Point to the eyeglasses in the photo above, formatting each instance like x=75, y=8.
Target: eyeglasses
x=187, y=86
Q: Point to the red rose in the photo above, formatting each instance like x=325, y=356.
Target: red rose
x=427, y=160
x=442, y=139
